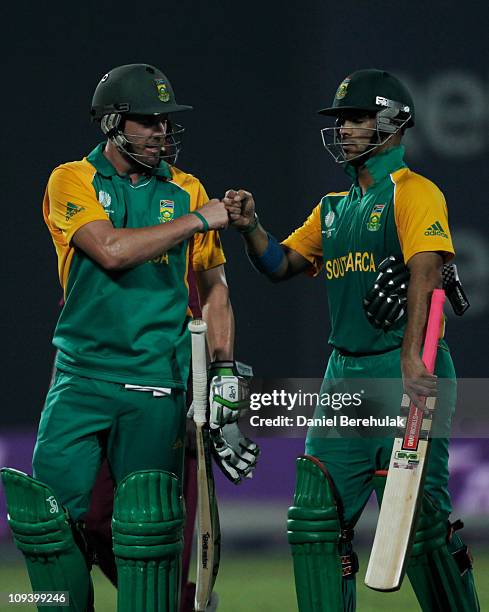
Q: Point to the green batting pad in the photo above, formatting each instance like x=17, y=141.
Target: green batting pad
x=432, y=570
x=147, y=528
x=314, y=531
x=42, y=531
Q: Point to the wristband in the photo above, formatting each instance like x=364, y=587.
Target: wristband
x=250, y=228
x=205, y=227
x=236, y=368
x=270, y=261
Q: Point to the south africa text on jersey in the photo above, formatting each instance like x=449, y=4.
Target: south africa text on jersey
x=160, y=259
x=353, y=262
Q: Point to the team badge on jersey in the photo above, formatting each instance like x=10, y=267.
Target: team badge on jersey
x=374, y=224
x=167, y=210
x=341, y=91
x=161, y=88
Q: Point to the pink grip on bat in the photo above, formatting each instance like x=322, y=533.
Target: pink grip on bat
x=433, y=329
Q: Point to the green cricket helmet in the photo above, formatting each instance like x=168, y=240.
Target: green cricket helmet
x=137, y=89
x=373, y=91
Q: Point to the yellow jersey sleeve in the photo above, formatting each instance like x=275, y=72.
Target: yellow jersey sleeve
x=207, y=251
x=307, y=241
x=69, y=203
x=421, y=216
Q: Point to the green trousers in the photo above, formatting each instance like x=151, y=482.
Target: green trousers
x=84, y=420
x=353, y=454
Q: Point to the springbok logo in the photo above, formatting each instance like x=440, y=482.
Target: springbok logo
x=53, y=503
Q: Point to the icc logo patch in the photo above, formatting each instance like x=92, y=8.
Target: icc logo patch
x=341, y=91
x=328, y=222
x=167, y=210
x=105, y=199
x=329, y=219
x=373, y=224
x=162, y=89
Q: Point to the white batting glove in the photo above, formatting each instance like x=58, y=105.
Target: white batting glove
x=234, y=453
x=229, y=392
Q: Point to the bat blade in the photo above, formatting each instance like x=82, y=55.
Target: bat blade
x=205, y=529
x=205, y=525
x=397, y=517
x=404, y=486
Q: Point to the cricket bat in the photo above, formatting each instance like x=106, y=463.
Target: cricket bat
x=404, y=486
x=205, y=525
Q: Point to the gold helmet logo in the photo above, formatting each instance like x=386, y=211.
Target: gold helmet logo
x=161, y=88
x=341, y=91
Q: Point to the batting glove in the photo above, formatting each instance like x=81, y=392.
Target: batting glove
x=229, y=392
x=386, y=302
x=235, y=454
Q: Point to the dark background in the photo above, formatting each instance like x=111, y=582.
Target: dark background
x=256, y=73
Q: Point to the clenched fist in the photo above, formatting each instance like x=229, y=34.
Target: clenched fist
x=215, y=213
x=240, y=207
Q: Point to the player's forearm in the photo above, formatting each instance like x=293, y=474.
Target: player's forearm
x=256, y=241
x=218, y=314
x=258, y=247
x=425, y=269
x=129, y=247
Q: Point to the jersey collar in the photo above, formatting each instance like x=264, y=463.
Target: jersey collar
x=381, y=165
x=104, y=167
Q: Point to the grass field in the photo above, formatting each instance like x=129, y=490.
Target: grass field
x=255, y=584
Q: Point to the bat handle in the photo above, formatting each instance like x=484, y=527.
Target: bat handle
x=199, y=388
x=198, y=329
x=433, y=329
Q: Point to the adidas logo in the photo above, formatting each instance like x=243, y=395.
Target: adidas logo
x=71, y=210
x=436, y=230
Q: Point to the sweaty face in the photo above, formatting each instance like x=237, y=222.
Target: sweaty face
x=146, y=136
x=357, y=131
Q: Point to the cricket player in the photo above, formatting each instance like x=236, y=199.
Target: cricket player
x=388, y=210
x=97, y=522
x=122, y=221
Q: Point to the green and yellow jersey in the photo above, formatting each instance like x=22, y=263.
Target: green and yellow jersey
x=127, y=326
x=349, y=234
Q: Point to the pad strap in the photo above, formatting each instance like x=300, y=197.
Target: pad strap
x=462, y=555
